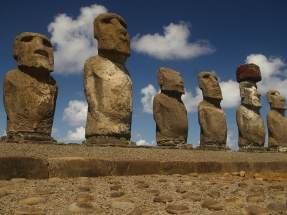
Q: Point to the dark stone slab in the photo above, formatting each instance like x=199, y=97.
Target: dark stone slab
x=136, y=167
x=22, y=167
x=71, y=167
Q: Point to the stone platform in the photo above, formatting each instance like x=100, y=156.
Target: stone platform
x=42, y=161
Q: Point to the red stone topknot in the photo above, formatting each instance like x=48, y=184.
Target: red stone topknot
x=248, y=71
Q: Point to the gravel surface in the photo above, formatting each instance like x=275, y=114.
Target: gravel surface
x=120, y=153
x=122, y=195
x=136, y=195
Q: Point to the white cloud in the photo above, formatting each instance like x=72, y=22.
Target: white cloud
x=191, y=102
x=230, y=141
x=230, y=94
x=4, y=133
x=73, y=39
x=54, y=131
x=273, y=76
x=77, y=137
x=144, y=143
x=76, y=113
x=147, y=101
x=172, y=45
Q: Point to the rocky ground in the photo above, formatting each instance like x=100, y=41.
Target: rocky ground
x=221, y=193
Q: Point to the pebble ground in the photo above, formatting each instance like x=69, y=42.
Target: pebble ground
x=203, y=194
x=225, y=194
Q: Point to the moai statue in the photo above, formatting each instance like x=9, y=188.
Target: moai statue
x=276, y=121
x=107, y=83
x=250, y=124
x=169, y=112
x=30, y=92
x=211, y=118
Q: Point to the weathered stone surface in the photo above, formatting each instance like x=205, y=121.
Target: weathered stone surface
x=29, y=92
x=277, y=206
x=32, y=200
x=254, y=210
x=193, y=196
x=29, y=211
x=226, y=213
x=153, y=192
x=122, y=204
x=214, y=193
x=276, y=121
x=43, y=190
x=138, y=211
x=72, y=167
x=83, y=197
x=163, y=198
x=254, y=198
x=176, y=209
x=118, y=195
x=212, y=204
x=276, y=187
x=107, y=83
x=248, y=71
x=211, y=118
x=81, y=207
x=169, y=112
x=24, y=167
x=250, y=124
x=234, y=202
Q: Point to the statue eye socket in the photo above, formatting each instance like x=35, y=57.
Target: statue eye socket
x=27, y=39
x=205, y=76
x=123, y=24
x=107, y=20
x=47, y=43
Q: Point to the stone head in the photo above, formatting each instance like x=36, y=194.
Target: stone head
x=249, y=93
x=111, y=32
x=275, y=100
x=34, y=50
x=208, y=83
x=170, y=80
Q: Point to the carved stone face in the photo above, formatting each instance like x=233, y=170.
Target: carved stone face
x=111, y=32
x=34, y=50
x=249, y=94
x=208, y=83
x=170, y=80
x=276, y=100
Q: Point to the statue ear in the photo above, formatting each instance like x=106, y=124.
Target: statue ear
x=15, y=50
x=159, y=77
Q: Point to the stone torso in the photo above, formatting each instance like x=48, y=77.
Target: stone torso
x=251, y=128
x=171, y=118
x=108, y=89
x=212, y=121
x=277, y=129
x=29, y=102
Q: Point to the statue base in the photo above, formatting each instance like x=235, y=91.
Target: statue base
x=108, y=141
x=19, y=137
x=213, y=147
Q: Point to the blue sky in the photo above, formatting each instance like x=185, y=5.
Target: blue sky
x=186, y=36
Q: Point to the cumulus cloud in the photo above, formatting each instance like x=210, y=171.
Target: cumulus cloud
x=73, y=39
x=76, y=137
x=173, y=44
x=191, y=102
x=147, y=100
x=76, y=113
x=232, y=141
x=272, y=72
x=230, y=94
x=55, y=131
x=145, y=143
